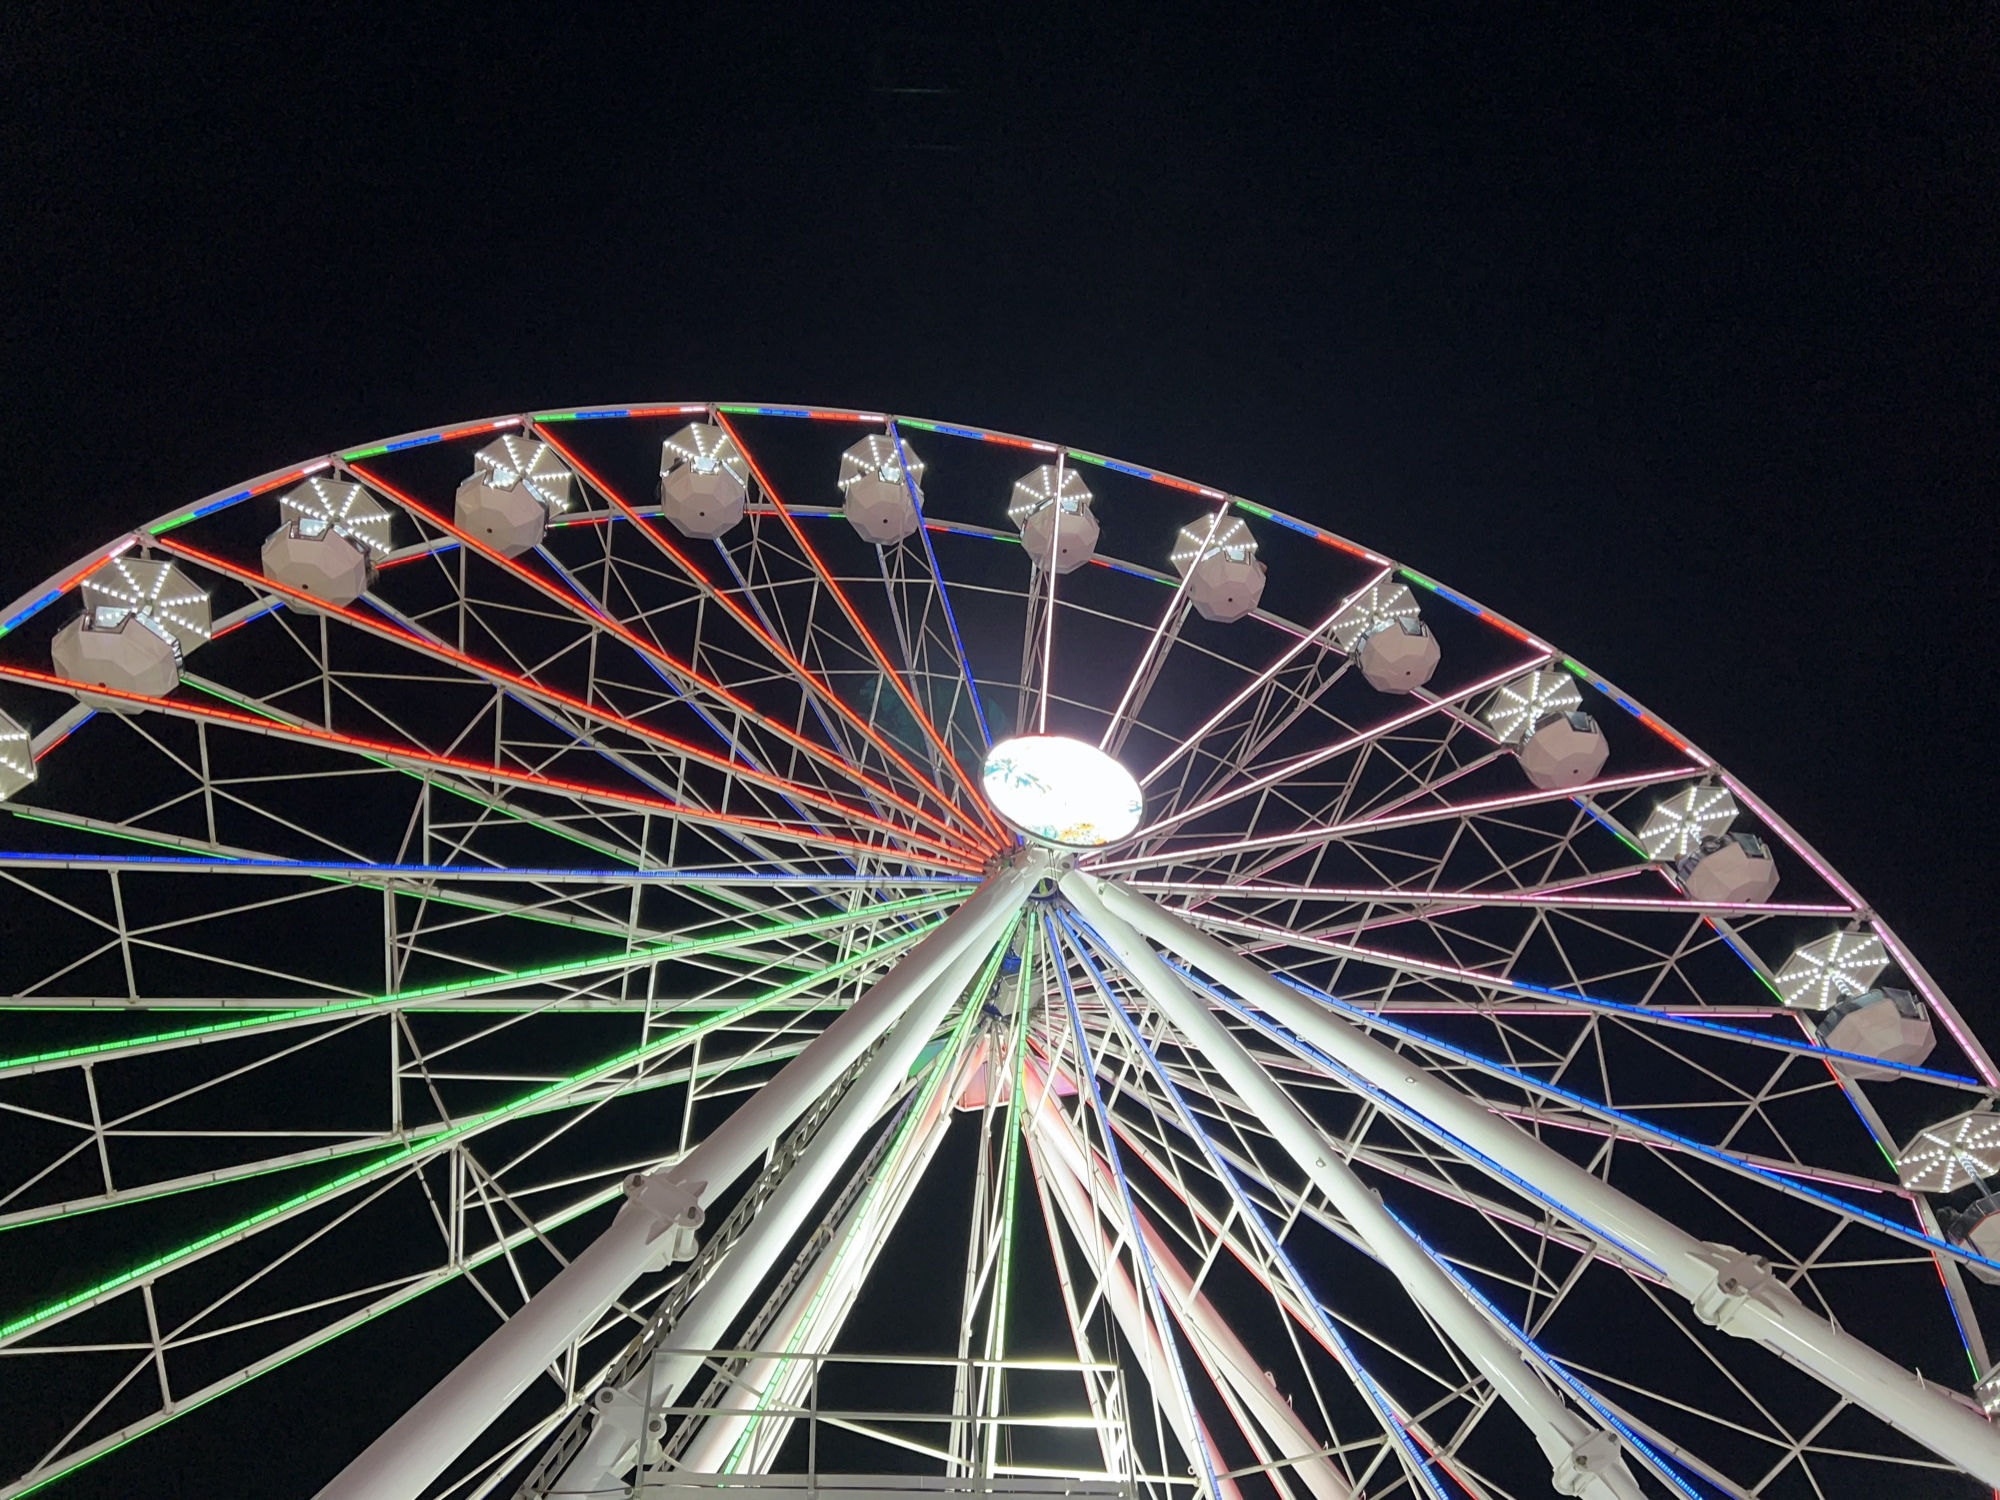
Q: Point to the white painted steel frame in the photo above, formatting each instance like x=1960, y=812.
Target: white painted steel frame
x=446, y=1421
x=1769, y=1314
x=1279, y=758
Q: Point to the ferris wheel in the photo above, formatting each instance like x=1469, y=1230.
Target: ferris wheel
x=774, y=960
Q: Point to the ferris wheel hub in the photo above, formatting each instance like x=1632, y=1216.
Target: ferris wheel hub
x=1061, y=792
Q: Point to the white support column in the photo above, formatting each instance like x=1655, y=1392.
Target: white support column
x=1578, y=1450
x=817, y=1308
x=1728, y=1289
x=662, y=1210
x=608, y=1451
x=1111, y=1416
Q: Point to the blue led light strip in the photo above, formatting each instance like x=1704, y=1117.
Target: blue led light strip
x=1397, y=1430
x=1654, y=1459
x=1677, y=1020
x=729, y=741
x=1392, y=1105
x=819, y=710
x=1190, y=1122
x=447, y=872
x=1784, y=1181
x=930, y=556
x=1088, y=1072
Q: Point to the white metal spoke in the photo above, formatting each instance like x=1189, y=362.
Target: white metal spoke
x=593, y=898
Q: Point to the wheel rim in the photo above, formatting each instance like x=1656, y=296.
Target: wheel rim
x=438, y=851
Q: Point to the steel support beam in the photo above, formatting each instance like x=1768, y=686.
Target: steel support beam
x=1214, y=1340
x=608, y=1452
x=1127, y=1307
x=662, y=1210
x=1727, y=1289
x=1558, y=1429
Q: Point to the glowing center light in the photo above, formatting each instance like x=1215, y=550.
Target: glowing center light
x=1062, y=791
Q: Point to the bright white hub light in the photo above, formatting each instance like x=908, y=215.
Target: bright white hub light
x=1062, y=791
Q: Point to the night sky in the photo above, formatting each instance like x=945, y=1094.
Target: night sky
x=1677, y=345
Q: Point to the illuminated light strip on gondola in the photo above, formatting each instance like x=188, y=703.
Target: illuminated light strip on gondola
x=526, y=779
x=823, y=754
x=386, y=630
x=743, y=617
x=917, y=711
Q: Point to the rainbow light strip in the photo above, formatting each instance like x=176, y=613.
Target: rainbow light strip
x=975, y=434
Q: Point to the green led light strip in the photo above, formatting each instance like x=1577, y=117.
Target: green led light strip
x=150, y=1192
x=459, y=903
x=636, y=958
x=409, y=1155
x=347, y=1324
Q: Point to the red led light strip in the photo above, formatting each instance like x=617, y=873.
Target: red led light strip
x=401, y=637
x=854, y=618
x=430, y=760
x=645, y=648
x=750, y=623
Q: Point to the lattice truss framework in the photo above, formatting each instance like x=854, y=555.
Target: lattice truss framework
x=369, y=962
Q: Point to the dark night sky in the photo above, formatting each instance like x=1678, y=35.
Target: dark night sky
x=1677, y=344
